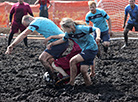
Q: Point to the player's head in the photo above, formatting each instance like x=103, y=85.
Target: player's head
x=67, y=25
x=131, y=2
x=92, y=6
x=26, y=20
x=20, y=1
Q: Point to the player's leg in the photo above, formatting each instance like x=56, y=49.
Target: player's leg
x=73, y=67
x=14, y=29
x=84, y=72
x=126, y=30
x=22, y=28
x=105, y=40
x=59, y=69
x=92, y=67
x=48, y=56
x=46, y=60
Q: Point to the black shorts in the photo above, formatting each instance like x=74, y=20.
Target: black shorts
x=130, y=26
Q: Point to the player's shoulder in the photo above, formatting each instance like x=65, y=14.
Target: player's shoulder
x=100, y=10
x=127, y=7
x=15, y=4
x=25, y=3
x=88, y=13
x=136, y=5
x=82, y=27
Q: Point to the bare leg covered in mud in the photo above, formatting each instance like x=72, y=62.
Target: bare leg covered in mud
x=46, y=59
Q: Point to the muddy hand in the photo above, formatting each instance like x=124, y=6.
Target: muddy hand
x=9, y=50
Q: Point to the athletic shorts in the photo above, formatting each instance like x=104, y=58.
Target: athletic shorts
x=104, y=36
x=15, y=27
x=57, y=50
x=130, y=26
x=88, y=56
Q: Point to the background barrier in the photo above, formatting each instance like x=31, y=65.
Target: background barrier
x=74, y=9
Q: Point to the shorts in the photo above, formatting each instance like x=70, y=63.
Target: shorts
x=88, y=56
x=104, y=36
x=57, y=50
x=130, y=26
x=15, y=27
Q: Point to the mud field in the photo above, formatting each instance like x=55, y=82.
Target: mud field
x=21, y=76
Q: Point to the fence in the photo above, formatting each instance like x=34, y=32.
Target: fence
x=74, y=9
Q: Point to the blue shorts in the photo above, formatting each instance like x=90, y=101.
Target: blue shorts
x=57, y=50
x=104, y=36
x=130, y=26
x=88, y=56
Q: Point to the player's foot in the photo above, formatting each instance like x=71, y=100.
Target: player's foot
x=63, y=80
x=69, y=87
x=105, y=49
x=125, y=45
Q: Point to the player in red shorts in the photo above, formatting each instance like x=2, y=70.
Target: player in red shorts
x=19, y=9
x=62, y=64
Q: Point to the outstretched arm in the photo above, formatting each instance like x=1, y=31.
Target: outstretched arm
x=55, y=43
x=53, y=37
x=17, y=40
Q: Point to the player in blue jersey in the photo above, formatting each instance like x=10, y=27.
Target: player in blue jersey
x=47, y=28
x=98, y=17
x=81, y=35
x=132, y=10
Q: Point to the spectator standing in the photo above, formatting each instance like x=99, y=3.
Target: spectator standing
x=43, y=7
x=19, y=9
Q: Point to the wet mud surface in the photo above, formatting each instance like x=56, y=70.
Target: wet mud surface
x=21, y=76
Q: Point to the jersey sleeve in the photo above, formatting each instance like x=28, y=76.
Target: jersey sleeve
x=66, y=37
x=33, y=26
x=88, y=29
x=105, y=15
x=48, y=1
x=12, y=10
x=126, y=11
x=29, y=10
x=87, y=19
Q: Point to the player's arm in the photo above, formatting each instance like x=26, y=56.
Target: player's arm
x=30, y=11
x=18, y=39
x=98, y=32
x=87, y=20
x=125, y=19
x=110, y=26
x=53, y=37
x=49, y=4
x=37, y=1
x=10, y=18
x=60, y=41
x=12, y=11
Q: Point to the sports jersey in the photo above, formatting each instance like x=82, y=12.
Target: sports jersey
x=133, y=19
x=43, y=2
x=98, y=19
x=19, y=10
x=82, y=37
x=45, y=26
